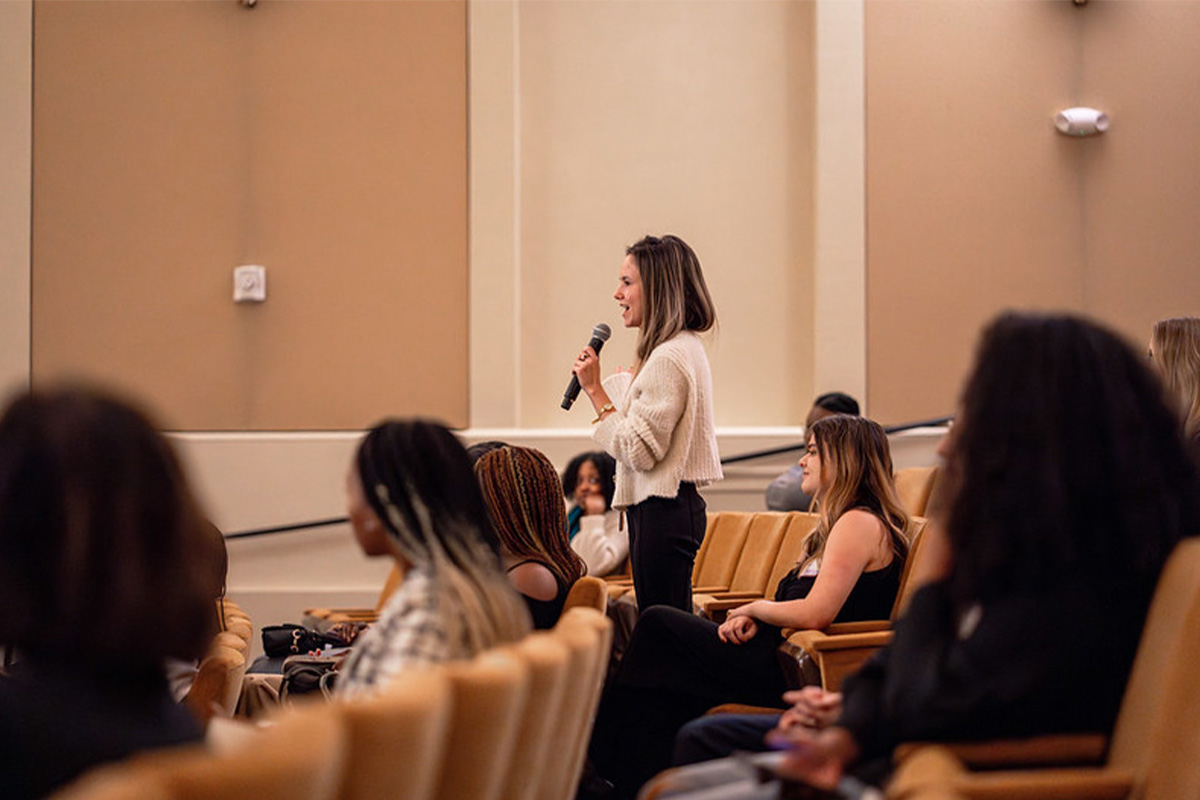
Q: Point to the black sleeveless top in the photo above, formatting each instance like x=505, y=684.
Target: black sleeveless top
x=872, y=597
x=545, y=613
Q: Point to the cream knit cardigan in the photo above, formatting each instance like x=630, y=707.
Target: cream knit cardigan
x=662, y=430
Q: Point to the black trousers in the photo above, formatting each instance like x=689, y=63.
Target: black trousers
x=664, y=535
x=675, y=669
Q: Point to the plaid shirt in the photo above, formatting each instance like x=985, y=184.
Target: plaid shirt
x=411, y=632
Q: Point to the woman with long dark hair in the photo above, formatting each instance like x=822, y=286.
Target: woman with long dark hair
x=658, y=421
x=411, y=495
x=1068, y=487
x=678, y=665
x=107, y=571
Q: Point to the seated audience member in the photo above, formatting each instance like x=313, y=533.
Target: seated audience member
x=521, y=493
x=411, y=495
x=678, y=665
x=784, y=493
x=1059, y=518
x=477, y=450
x=593, y=525
x=1175, y=353
x=181, y=674
x=107, y=571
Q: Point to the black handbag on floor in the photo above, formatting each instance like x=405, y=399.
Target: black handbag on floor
x=292, y=640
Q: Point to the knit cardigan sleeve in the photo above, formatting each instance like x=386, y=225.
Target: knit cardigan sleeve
x=640, y=434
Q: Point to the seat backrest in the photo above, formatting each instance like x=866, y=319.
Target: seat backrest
x=218, y=683
x=720, y=549
x=1156, y=735
x=240, y=626
x=300, y=757
x=394, y=579
x=396, y=739
x=231, y=640
x=548, y=660
x=754, y=563
x=912, y=566
x=710, y=522
x=799, y=525
x=489, y=695
x=914, y=485
x=589, y=592
x=587, y=636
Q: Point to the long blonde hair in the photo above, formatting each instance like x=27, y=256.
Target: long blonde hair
x=856, y=470
x=675, y=296
x=1176, y=346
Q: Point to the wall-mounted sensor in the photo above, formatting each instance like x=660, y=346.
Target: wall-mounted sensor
x=1081, y=121
x=249, y=284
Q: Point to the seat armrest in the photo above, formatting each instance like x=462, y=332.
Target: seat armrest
x=818, y=642
x=742, y=708
x=709, y=589
x=932, y=768
x=722, y=603
x=1065, y=749
x=867, y=626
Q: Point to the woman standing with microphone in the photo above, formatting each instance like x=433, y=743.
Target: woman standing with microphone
x=657, y=421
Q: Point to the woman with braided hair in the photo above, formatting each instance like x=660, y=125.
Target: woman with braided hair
x=521, y=491
x=411, y=495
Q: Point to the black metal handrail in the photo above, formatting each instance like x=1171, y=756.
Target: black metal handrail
x=774, y=451
x=793, y=448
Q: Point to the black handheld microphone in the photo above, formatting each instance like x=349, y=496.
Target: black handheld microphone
x=600, y=335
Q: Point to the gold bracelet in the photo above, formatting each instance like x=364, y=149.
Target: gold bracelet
x=604, y=409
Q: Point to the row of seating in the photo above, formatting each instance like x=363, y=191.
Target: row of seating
x=510, y=724
x=218, y=683
x=743, y=558
x=1154, y=750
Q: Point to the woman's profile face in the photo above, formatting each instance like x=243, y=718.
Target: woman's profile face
x=629, y=293
x=368, y=530
x=587, y=483
x=810, y=462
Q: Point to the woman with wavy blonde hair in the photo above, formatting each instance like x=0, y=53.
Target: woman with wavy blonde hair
x=521, y=492
x=851, y=457
x=678, y=665
x=1175, y=351
x=411, y=495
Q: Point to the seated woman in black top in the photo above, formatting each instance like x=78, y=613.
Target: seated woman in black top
x=679, y=665
x=107, y=570
x=523, y=497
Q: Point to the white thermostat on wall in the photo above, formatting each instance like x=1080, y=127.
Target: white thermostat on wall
x=249, y=284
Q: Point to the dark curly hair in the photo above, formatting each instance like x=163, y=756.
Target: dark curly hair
x=605, y=464
x=1066, y=463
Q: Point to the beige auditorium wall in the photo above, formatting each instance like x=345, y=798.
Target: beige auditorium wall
x=975, y=202
x=1141, y=183
x=16, y=61
x=603, y=121
x=973, y=199
x=324, y=140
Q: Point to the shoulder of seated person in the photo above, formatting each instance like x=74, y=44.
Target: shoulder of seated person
x=534, y=580
x=858, y=521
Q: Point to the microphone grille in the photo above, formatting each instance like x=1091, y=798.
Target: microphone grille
x=601, y=332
